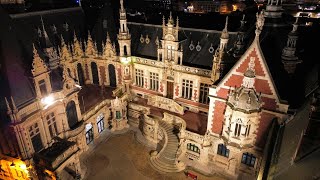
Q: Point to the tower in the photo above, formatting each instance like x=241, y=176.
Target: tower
x=289, y=58
x=217, y=67
x=49, y=50
x=239, y=44
x=41, y=75
x=124, y=37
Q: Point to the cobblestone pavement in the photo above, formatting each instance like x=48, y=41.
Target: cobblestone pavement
x=122, y=157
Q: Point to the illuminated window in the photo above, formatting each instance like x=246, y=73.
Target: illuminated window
x=248, y=159
x=154, y=81
x=170, y=53
x=187, y=86
x=192, y=147
x=51, y=120
x=204, y=91
x=139, y=78
x=222, y=150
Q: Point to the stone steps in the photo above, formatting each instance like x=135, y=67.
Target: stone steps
x=165, y=161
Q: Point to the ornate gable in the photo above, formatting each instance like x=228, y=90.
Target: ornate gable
x=38, y=66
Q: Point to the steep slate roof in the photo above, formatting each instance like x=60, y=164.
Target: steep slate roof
x=202, y=58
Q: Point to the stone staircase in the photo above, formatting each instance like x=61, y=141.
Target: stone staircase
x=165, y=160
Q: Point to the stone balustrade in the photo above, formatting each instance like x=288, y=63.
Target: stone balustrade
x=64, y=156
x=76, y=130
x=165, y=103
x=193, y=136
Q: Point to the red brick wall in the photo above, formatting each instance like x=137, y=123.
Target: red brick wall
x=119, y=75
x=102, y=74
x=262, y=86
x=223, y=93
x=234, y=80
x=218, y=117
x=258, y=67
x=263, y=128
x=269, y=103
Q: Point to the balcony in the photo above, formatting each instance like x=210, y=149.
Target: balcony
x=75, y=130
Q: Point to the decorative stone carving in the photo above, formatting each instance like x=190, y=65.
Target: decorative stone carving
x=165, y=103
x=38, y=66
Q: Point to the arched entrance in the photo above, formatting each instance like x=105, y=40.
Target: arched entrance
x=72, y=114
x=100, y=123
x=89, y=133
x=112, y=75
x=80, y=74
x=95, y=75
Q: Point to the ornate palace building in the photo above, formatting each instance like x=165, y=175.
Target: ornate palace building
x=210, y=99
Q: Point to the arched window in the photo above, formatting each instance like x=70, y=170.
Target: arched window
x=222, y=150
x=112, y=75
x=89, y=133
x=194, y=148
x=80, y=74
x=95, y=75
x=125, y=50
x=72, y=114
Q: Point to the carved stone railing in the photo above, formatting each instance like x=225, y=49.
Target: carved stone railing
x=193, y=136
x=28, y=109
x=184, y=69
x=140, y=108
x=150, y=128
x=165, y=103
x=75, y=131
x=64, y=156
x=119, y=91
x=93, y=111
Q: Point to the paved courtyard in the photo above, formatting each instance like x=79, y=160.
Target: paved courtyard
x=122, y=157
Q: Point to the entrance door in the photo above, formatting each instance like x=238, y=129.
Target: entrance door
x=169, y=89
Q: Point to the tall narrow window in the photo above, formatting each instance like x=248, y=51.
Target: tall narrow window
x=118, y=115
x=187, y=89
x=222, y=150
x=237, y=130
x=125, y=52
x=35, y=137
x=154, y=81
x=52, y=125
x=248, y=159
x=248, y=126
x=139, y=78
x=170, y=53
x=43, y=87
x=204, y=91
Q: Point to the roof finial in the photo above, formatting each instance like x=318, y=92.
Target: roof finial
x=42, y=25
x=8, y=106
x=260, y=23
x=225, y=34
x=177, y=22
x=295, y=25
x=243, y=21
x=121, y=4
x=14, y=105
x=163, y=21
x=170, y=19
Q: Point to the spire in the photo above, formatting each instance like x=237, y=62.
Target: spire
x=243, y=22
x=121, y=5
x=38, y=66
x=46, y=43
x=65, y=53
x=170, y=21
x=15, y=110
x=90, y=50
x=77, y=50
x=225, y=34
x=289, y=58
x=177, y=25
x=9, y=111
x=259, y=23
x=163, y=21
x=249, y=75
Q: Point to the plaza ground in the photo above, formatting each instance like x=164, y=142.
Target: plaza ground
x=122, y=157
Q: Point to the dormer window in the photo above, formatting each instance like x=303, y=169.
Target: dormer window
x=43, y=87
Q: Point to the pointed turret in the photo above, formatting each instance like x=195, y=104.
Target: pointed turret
x=77, y=50
x=239, y=44
x=9, y=110
x=38, y=65
x=108, y=49
x=45, y=41
x=64, y=51
x=124, y=37
x=90, y=50
x=289, y=58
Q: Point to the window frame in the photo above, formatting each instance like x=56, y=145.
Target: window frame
x=223, y=150
x=248, y=159
x=154, y=81
x=204, y=92
x=139, y=77
x=187, y=89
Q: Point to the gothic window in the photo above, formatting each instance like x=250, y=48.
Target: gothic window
x=170, y=53
x=204, y=91
x=222, y=150
x=237, y=130
x=52, y=125
x=139, y=78
x=154, y=81
x=248, y=159
x=194, y=148
x=42, y=87
x=247, y=132
x=35, y=137
x=187, y=86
